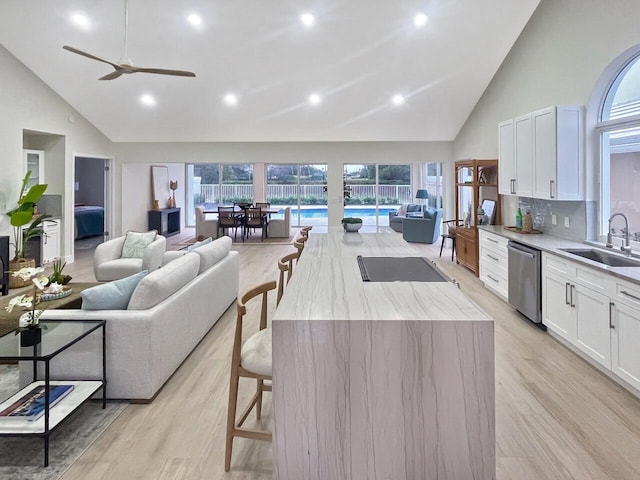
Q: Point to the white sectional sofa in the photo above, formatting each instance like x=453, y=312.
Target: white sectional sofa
x=169, y=312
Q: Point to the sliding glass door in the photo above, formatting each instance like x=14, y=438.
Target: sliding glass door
x=301, y=187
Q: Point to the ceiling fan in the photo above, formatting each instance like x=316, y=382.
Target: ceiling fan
x=126, y=65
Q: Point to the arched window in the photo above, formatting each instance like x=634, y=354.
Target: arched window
x=619, y=128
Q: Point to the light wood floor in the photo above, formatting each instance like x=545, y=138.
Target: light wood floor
x=556, y=416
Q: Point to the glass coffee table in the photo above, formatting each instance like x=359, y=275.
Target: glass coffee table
x=39, y=416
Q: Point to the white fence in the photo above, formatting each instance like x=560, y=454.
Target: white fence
x=211, y=193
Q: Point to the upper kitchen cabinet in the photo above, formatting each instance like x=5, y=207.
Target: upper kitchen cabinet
x=515, y=156
x=558, y=153
x=34, y=161
x=506, y=158
x=542, y=154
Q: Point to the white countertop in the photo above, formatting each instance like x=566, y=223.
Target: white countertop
x=328, y=284
x=551, y=244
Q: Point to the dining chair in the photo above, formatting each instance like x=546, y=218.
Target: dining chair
x=254, y=218
x=228, y=218
x=251, y=359
x=263, y=205
x=449, y=231
x=285, y=265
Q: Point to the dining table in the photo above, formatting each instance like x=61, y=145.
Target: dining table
x=379, y=379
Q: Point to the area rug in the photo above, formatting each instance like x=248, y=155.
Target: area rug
x=22, y=458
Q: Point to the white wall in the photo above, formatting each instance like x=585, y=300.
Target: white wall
x=557, y=60
x=335, y=154
x=26, y=103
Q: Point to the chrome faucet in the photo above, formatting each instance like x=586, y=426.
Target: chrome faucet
x=626, y=247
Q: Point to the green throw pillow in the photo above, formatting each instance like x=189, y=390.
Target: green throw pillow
x=199, y=244
x=113, y=295
x=136, y=242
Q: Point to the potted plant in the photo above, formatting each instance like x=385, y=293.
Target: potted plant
x=351, y=224
x=20, y=217
x=57, y=276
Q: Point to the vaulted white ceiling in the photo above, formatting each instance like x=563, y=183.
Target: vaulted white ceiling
x=356, y=56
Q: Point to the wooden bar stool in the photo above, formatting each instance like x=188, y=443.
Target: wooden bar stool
x=249, y=360
x=299, y=244
x=285, y=265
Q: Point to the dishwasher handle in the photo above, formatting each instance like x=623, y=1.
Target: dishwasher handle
x=521, y=250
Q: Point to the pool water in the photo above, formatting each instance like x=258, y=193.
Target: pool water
x=348, y=212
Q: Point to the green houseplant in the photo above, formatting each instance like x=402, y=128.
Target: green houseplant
x=20, y=217
x=351, y=224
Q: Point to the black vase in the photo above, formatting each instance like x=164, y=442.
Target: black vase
x=30, y=337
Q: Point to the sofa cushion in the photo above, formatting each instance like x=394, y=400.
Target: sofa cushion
x=135, y=243
x=213, y=252
x=206, y=241
x=413, y=207
x=113, y=295
x=164, y=282
x=429, y=213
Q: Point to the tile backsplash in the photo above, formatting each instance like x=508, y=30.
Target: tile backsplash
x=542, y=211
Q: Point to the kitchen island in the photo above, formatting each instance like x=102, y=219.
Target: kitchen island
x=379, y=379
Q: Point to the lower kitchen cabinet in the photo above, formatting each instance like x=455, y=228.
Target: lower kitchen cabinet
x=466, y=248
x=557, y=313
x=604, y=324
x=592, y=323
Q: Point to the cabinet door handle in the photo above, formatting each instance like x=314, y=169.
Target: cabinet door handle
x=493, y=258
x=611, y=325
x=566, y=293
x=513, y=186
x=493, y=240
x=551, y=185
x=494, y=279
x=573, y=288
x=624, y=292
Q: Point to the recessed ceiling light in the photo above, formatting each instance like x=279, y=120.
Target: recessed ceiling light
x=314, y=99
x=194, y=19
x=307, y=19
x=80, y=20
x=420, y=19
x=230, y=99
x=147, y=100
x=397, y=99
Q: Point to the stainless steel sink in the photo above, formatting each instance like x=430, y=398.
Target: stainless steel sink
x=605, y=258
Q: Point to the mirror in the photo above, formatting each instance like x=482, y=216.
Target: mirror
x=160, y=186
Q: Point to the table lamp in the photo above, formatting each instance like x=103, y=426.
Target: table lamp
x=423, y=194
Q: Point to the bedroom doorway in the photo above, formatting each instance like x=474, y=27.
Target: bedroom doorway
x=91, y=203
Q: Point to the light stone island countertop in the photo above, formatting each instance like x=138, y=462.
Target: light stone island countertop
x=379, y=379
x=329, y=286
x=551, y=244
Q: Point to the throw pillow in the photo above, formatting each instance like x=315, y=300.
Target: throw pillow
x=113, y=295
x=135, y=243
x=429, y=213
x=402, y=211
x=199, y=244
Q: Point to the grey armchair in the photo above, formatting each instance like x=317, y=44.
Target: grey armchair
x=423, y=230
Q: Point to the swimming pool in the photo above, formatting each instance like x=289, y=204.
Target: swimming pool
x=348, y=212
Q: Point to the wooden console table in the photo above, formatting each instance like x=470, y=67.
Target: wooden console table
x=9, y=320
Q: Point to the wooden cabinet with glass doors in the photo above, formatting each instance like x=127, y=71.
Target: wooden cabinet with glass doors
x=476, y=185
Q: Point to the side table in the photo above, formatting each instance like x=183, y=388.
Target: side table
x=57, y=336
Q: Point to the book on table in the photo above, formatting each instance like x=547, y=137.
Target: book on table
x=31, y=405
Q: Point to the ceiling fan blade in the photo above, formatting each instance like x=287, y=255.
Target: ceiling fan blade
x=88, y=55
x=111, y=76
x=161, y=71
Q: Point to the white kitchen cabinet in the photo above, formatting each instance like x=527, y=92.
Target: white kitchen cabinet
x=50, y=247
x=557, y=312
x=506, y=158
x=494, y=263
x=625, y=332
x=543, y=154
x=34, y=162
x=593, y=335
x=523, y=148
x=595, y=312
x=558, y=153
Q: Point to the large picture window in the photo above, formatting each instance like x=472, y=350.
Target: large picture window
x=620, y=153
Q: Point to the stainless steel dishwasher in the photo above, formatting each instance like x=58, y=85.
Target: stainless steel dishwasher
x=525, y=281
